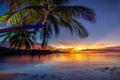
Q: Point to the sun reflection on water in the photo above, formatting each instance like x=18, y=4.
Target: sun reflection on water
x=72, y=58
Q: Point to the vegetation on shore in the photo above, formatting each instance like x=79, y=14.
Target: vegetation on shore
x=11, y=51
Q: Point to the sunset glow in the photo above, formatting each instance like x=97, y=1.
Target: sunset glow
x=81, y=46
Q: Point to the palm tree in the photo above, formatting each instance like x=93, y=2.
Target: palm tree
x=53, y=15
x=22, y=39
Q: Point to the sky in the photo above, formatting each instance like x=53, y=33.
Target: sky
x=104, y=33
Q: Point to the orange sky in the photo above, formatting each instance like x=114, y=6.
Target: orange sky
x=85, y=45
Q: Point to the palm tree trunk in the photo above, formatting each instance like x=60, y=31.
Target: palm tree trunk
x=44, y=42
x=44, y=38
x=46, y=17
x=11, y=29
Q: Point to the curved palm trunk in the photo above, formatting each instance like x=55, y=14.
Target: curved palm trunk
x=10, y=29
x=44, y=41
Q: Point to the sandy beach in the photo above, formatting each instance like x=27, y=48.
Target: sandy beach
x=7, y=76
x=104, y=73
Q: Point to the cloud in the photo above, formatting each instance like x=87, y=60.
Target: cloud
x=102, y=44
x=66, y=43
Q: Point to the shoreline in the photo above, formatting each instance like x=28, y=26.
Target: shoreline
x=7, y=76
x=11, y=52
x=103, y=73
x=4, y=52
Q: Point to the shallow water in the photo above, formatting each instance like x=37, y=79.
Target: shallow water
x=57, y=62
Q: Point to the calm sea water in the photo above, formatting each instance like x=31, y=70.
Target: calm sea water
x=57, y=62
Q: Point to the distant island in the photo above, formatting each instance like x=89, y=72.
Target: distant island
x=114, y=49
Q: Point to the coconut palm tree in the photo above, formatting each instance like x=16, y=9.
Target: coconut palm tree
x=52, y=15
x=22, y=39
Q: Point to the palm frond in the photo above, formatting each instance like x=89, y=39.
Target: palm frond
x=80, y=29
x=77, y=12
x=28, y=14
x=4, y=17
x=60, y=2
x=65, y=23
x=55, y=24
x=73, y=26
x=7, y=36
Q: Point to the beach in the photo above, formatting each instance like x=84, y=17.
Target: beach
x=105, y=73
x=7, y=76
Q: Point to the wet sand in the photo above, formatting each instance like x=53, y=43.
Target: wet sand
x=103, y=73
x=7, y=76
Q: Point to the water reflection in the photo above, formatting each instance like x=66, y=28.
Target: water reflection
x=58, y=61
x=87, y=57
